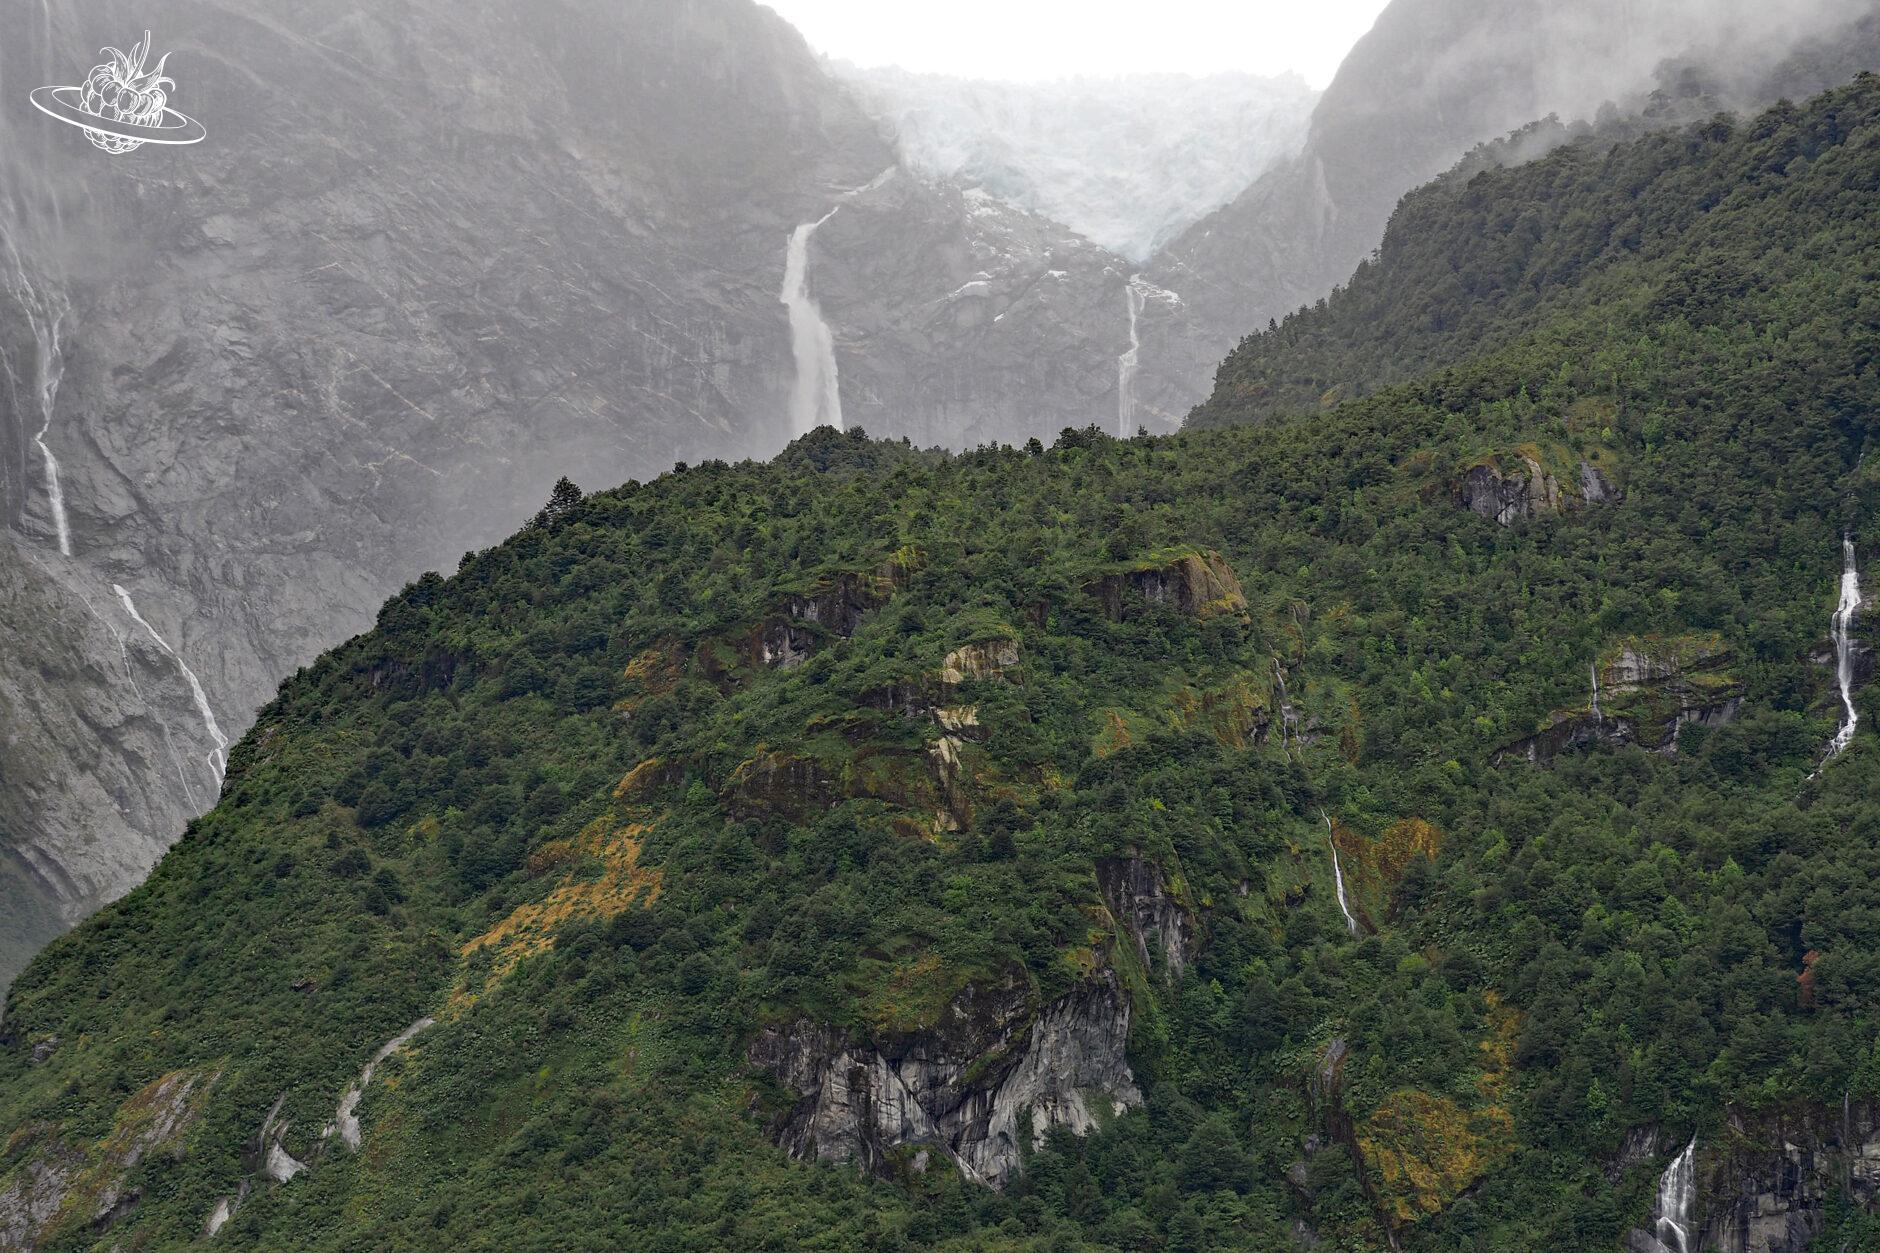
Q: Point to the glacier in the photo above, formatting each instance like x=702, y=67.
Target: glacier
x=1128, y=163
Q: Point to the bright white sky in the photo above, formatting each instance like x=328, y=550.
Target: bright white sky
x=1041, y=39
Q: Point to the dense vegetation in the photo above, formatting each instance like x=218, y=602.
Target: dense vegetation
x=1480, y=259
x=561, y=802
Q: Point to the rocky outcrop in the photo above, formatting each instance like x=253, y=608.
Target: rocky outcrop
x=346, y=1117
x=1641, y=1145
x=778, y=784
x=1765, y=1184
x=989, y=660
x=58, y=1187
x=1511, y=488
x=832, y=609
x=839, y=603
x=1595, y=487
x=32, y=1199
x=1198, y=585
x=1506, y=496
x=1766, y=1189
x=1644, y=690
x=963, y=1090
x=1138, y=895
x=782, y=644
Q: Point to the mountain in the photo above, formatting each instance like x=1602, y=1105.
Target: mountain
x=427, y=262
x=1401, y=824
x=1435, y=78
x=1127, y=163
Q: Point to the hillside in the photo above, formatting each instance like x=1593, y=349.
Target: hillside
x=1677, y=219
x=1193, y=842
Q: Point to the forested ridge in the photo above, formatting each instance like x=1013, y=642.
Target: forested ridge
x=861, y=735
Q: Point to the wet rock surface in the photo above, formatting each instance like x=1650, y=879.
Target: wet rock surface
x=1137, y=893
x=1766, y=1184
x=959, y=1090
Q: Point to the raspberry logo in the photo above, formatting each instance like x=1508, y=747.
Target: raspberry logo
x=122, y=104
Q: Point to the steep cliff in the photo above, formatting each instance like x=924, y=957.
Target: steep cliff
x=982, y=1087
x=428, y=262
x=1775, y=1181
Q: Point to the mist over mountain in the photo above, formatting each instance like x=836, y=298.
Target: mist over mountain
x=1433, y=79
x=1433, y=812
x=433, y=258
x=1128, y=162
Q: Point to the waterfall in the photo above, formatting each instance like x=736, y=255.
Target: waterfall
x=1677, y=1198
x=816, y=396
x=1338, y=875
x=1287, y=717
x=1134, y=298
x=1844, y=650
x=1598, y=717
x=46, y=309
x=130, y=676
x=218, y=756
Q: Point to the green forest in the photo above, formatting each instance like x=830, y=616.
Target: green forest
x=856, y=736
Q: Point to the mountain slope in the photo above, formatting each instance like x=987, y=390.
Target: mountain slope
x=1471, y=263
x=1434, y=78
x=1147, y=827
x=427, y=262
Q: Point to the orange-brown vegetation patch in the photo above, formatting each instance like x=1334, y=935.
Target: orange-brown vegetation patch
x=1427, y=1149
x=653, y=673
x=1375, y=868
x=1234, y=714
x=607, y=853
x=640, y=783
x=1113, y=735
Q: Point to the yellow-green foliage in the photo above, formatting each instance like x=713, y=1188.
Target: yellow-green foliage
x=1374, y=867
x=1425, y=1148
x=605, y=878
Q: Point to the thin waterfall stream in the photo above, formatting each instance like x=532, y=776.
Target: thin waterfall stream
x=1844, y=651
x=816, y=393
x=218, y=756
x=1677, y=1200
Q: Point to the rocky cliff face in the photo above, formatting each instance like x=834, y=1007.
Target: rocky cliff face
x=1138, y=895
x=965, y=1090
x=102, y=762
x=1643, y=691
x=1509, y=489
x=428, y=261
x=1766, y=1186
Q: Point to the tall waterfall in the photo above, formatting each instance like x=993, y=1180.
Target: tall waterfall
x=45, y=308
x=1598, y=717
x=1126, y=365
x=218, y=756
x=1136, y=298
x=1844, y=650
x=1677, y=1199
x=1338, y=875
x=816, y=396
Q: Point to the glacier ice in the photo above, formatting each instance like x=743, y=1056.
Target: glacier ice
x=1128, y=163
